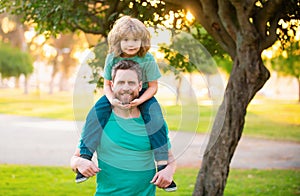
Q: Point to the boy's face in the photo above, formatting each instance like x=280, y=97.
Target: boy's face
x=130, y=45
x=126, y=86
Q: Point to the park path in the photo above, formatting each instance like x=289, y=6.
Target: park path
x=37, y=141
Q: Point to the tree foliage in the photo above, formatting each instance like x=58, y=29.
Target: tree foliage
x=90, y=16
x=288, y=62
x=14, y=62
x=192, y=51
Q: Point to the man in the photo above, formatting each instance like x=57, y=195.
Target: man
x=125, y=159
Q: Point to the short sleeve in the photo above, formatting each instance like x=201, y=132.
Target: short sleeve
x=108, y=66
x=151, y=68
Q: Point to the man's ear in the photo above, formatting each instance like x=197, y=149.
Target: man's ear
x=112, y=85
x=140, y=85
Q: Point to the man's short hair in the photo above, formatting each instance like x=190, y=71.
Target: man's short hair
x=127, y=65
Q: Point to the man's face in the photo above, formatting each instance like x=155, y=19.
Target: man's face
x=126, y=86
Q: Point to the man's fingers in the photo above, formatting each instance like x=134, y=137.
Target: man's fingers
x=89, y=168
x=154, y=178
x=90, y=172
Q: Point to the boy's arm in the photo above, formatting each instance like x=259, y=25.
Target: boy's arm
x=150, y=92
x=107, y=90
x=110, y=95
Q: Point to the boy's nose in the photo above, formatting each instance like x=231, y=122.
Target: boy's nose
x=130, y=43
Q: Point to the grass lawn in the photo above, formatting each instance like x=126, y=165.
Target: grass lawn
x=266, y=119
x=59, y=181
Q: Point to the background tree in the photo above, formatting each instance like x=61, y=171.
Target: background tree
x=12, y=32
x=187, y=53
x=242, y=28
x=14, y=62
x=288, y=62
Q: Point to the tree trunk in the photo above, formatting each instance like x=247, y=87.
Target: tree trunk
x=178, y=94
x=17, y=82
x=247, y=77
x=53, y=74
x=298, y=79
x=63, y=82
x=207, y=76
x=26, y=85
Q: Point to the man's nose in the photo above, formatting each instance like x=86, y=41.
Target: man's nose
x=126, y=86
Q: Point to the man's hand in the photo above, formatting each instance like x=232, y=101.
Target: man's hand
x=163, y=178
x=87, y=167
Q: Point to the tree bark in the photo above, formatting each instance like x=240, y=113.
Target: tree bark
x=178, y=93
x=53, y=74
x=26, y=85
x=298, y=79
x=247, y=77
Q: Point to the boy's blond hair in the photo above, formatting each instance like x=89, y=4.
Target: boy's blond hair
x=124, y=26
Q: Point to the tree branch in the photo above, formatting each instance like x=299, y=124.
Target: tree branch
x=206, y=13
x=249, y=5
x=268, y=40
x=212, y=22
x=265, y=14
x=225, y=11
x=243, y=19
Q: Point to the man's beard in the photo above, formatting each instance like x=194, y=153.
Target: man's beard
x=126, y=97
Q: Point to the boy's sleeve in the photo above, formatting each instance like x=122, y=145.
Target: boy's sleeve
x=108, y=66
x=152, y=69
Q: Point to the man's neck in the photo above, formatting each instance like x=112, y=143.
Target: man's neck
x=130, y=113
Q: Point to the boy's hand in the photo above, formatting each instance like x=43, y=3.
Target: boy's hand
x=135, y=102
x=117, y=103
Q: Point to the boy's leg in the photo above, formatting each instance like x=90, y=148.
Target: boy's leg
x=157, y=132
x=156, y=128
x=92, y=131
x=95, y=122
